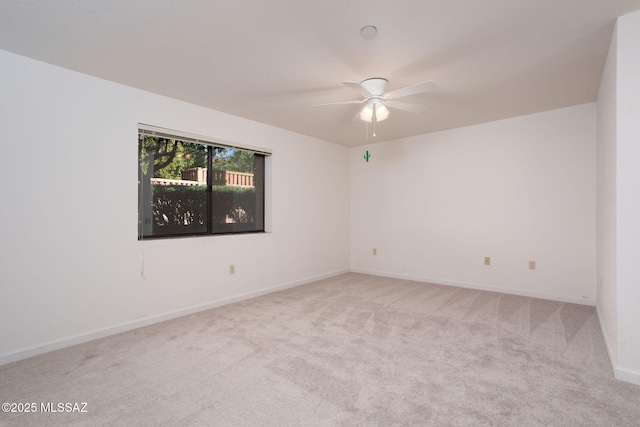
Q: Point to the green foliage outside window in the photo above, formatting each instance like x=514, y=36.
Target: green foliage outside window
x=171, y=157
x=178, y=207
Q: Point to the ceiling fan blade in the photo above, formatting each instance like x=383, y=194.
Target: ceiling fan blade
x=412, y=90
x=358, y=88
x=338, y=103
x=406, y=106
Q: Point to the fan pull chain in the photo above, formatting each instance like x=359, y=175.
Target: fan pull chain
x=374, y=123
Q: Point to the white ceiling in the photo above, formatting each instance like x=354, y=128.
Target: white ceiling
x=270, y=60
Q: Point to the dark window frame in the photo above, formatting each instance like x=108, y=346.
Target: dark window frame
x=258, y=225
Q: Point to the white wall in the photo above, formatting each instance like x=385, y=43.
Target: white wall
x=515, y=190
x=618, y=204
x=70, y=260
x=628, y=196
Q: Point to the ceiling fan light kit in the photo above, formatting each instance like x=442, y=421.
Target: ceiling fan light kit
x=374, y=109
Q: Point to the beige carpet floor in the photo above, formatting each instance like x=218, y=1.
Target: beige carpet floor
x=350, y=350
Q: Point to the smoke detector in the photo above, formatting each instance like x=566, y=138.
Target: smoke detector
x=368, y=31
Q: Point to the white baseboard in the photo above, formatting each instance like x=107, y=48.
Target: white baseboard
x=629, y=376
x=23, y=353
x=619, y=373
x=478, y=286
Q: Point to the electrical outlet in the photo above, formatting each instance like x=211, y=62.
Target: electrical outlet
x=375, y=251
x=232, y=269
x=487, y=260
x=532, y=265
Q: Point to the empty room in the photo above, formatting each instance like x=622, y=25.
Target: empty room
x=296, y=213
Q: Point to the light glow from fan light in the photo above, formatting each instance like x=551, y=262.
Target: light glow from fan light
x=381, y=112
x=367, y=113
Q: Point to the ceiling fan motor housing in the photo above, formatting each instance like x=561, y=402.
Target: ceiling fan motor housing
x=375, y=85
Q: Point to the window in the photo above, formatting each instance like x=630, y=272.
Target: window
x=190, y=186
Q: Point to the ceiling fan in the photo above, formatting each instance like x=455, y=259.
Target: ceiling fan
x=376, y=100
